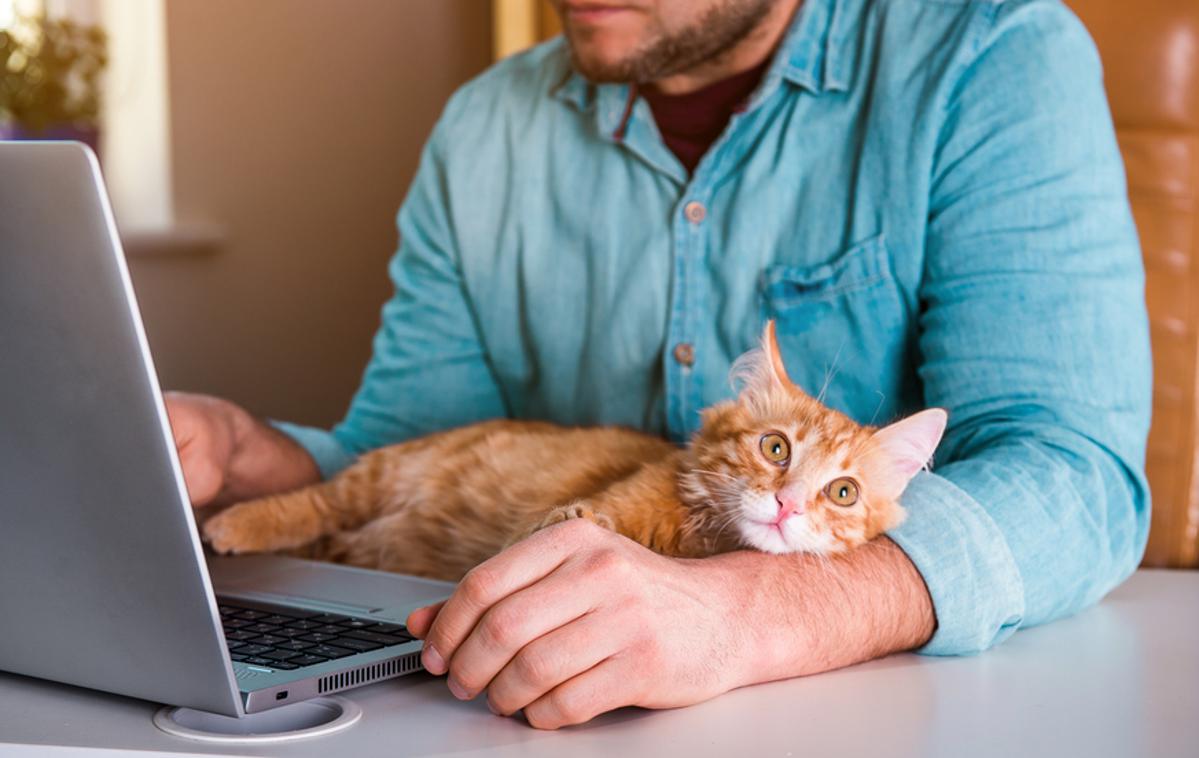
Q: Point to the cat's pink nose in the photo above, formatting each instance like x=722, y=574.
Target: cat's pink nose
x=788, y=504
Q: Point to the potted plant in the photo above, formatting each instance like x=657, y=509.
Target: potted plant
x=50, y=79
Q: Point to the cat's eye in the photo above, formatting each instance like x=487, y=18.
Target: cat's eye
x=776, y=448
x=842, y=491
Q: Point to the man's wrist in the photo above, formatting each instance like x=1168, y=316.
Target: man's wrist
x=801, y=614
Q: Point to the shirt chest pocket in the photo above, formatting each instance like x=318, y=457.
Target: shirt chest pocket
x=844, y=329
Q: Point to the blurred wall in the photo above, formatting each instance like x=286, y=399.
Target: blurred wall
x=296, y=128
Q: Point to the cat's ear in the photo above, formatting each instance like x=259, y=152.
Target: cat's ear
x=763, y=369
x=774, y=356
x=901, y=449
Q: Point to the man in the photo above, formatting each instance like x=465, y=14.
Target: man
x=928, y=199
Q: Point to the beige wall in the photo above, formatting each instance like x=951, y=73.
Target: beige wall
x=296, y=128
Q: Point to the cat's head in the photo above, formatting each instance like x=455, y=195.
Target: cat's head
x=781, y=472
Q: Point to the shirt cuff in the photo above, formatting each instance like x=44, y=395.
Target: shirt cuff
x=969, y=570
x=330, y=456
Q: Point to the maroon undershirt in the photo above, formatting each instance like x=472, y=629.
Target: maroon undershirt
x=690, y=123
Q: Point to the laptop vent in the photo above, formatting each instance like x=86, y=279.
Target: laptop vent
x=367, y=674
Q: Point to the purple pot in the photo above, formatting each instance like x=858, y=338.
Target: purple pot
x=88, y=135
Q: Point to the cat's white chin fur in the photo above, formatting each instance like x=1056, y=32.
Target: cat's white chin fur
x=793, y=535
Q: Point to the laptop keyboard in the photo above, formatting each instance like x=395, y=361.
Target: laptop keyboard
x=289, y=638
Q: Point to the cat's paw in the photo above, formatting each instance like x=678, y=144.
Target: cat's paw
x=576, y=510
x=239, y=529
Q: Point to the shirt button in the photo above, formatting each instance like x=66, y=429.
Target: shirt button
x=695, y=212
x=684, y=353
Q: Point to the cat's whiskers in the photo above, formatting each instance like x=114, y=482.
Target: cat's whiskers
x=725, y=527
x=723, y=521
x=722, y=474
x=832, y=372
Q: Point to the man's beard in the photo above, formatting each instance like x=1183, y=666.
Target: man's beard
x=715, y=33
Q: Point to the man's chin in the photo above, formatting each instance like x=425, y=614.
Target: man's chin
x=604, y=70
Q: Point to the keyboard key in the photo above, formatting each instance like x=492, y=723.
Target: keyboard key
x=253, y=615
x=268, y=639
x=280, y=655
x=307, y=660
x=285, y=631
x=238, y=656
x=357, y=623
x=253, y=650
x=278, y=620
x=294, y=645
x=330, y=651
x=228, y=610
x=360, y=646
x=261, y=628
x=240, y=635
x=306, y=624
x=329, y=618
x=387, y=628
x=284, y=665
x=319, y=637
x=379, y=639
x=234, y=645
x=235, y=623
x=258, y=661
x=329, y=629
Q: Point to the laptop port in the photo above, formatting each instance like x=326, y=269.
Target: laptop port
x=281, y=695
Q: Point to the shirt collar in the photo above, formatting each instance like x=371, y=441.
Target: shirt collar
x=811, y=56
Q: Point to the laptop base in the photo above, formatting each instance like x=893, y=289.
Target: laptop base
x=299, y=721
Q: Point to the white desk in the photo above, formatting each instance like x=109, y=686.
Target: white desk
x=1121, y=679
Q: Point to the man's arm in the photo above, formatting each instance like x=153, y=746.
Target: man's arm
x=848, y=609
x=577, y=620
x=1034, y=337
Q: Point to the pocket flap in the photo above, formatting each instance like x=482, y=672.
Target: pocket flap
x=859, y=266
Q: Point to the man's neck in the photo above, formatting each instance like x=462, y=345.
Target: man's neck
x=751, y=51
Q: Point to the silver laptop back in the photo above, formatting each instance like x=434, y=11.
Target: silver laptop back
x=102, y=581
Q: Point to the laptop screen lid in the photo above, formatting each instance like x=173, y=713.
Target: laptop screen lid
x=102, y=578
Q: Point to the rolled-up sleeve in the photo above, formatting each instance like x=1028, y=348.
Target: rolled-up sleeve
x=429, y=370
x=1034, y=337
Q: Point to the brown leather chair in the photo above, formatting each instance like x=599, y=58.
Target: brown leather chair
x=1150, y=52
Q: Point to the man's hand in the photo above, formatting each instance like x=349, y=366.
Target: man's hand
x=577, y=620
x=227, y=455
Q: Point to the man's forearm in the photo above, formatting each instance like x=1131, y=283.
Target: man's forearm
x=807, y=614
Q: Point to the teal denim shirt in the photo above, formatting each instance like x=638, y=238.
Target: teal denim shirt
x=926, y=195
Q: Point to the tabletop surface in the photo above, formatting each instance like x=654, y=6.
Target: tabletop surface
x=1120, y=679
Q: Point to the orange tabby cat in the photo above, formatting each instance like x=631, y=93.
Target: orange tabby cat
x=773, y=470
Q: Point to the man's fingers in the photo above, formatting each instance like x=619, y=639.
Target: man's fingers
x=600, y=689
x=512, y=623
x=199, y=456
x=421, y=619
x=203, y=479
x=550, y=660
x=514, y=569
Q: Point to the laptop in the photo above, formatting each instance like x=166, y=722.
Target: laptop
x=104, y=582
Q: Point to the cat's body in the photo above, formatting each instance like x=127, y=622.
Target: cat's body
x=441, y=504
x=773, y=469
